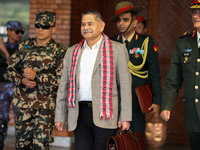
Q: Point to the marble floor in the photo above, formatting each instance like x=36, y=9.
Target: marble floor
x=9, y=145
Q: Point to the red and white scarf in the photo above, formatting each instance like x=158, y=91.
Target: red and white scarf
x=107, y=75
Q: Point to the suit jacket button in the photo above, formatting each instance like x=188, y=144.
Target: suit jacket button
x=197, y=73
x=196, y=87
x=198, y=60
x=196, y=100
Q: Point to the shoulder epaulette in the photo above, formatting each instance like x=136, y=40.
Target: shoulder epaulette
x=191, y=33
x=61, y=45
x=145, y=36
x=25, y=46
x=30, y=38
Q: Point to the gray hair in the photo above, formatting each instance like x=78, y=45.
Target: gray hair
x=98, y=17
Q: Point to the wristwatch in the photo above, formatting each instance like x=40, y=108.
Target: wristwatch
x=36, y=76
x=8, y=59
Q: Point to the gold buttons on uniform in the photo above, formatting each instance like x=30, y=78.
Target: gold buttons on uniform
x=196, y=100
x=197, y=73
x=196, y=87
x=198, y=60
x=183, y=99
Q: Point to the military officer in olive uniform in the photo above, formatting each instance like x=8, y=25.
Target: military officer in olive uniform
x=143, y=59
x=35, y=69
x=185, y=66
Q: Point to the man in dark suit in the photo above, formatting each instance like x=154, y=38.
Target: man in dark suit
x=143, y=60
x=184, y=66
x=92, y=69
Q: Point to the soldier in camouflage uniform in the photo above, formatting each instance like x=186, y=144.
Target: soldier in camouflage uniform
x=5, y=96
x=14, y=31
x=35, y=69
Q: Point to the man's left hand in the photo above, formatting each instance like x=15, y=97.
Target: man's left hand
x=29, y=73
x=155, y=108
x=124, y=124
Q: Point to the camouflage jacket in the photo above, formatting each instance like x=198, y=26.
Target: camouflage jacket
x=46, y=61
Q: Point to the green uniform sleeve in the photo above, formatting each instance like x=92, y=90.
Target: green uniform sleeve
x=173, y=81
x=14, y=69
x=154, y=73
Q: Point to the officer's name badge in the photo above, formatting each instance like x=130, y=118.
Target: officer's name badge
x=27, y=47
x=187, y=50
x=136, y=51
x=186, y=54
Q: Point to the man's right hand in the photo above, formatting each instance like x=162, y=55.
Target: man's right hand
x=59, y=125
x=165, y=115
x=28, y=83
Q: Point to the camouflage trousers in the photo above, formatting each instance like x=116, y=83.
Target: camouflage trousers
x=34, y=129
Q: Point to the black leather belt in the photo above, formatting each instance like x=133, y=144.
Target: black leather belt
x=86, y=103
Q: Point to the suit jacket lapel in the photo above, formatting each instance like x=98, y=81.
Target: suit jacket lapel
x=193, y=42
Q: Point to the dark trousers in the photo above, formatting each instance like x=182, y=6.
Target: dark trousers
x=194, y=139
x=2, y=141
x=138, y=122
x=3, y=129
x=87, y=135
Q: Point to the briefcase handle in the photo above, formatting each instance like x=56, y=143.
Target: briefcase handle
x=126, y=131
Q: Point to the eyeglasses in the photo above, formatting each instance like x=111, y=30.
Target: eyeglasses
x=43, y=26
x=18, y=31
x=196, y=12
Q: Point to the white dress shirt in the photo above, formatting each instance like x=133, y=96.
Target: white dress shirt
x=88, y=59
